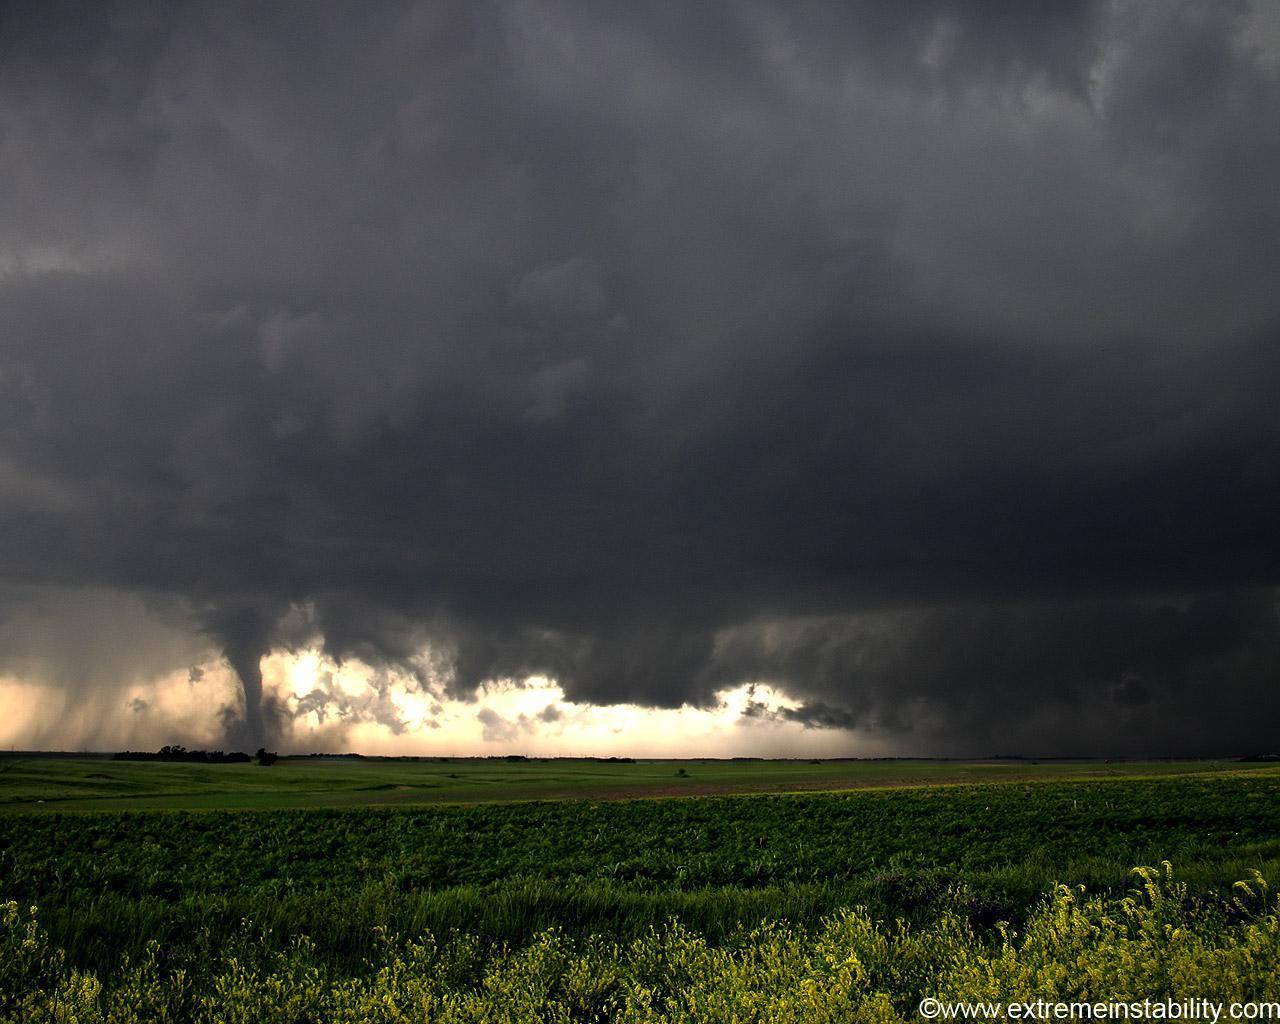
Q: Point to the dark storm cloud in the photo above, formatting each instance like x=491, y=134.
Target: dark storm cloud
x=610, y=341
x=1061, y=676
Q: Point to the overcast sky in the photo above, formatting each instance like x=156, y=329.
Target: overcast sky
x=917, y=364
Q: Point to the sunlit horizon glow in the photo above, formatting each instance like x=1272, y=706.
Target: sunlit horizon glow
x=321, y=706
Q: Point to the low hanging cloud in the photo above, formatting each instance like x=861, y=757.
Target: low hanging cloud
x=498, y=729
x=1081, y=676
x=919, y=360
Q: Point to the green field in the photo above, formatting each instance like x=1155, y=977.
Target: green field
x=466, y=897
x=45, y=783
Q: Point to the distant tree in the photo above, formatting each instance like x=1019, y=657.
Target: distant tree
x=177, y=752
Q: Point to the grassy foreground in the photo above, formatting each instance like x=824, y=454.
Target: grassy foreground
x=807, y=906
x=1154, y=943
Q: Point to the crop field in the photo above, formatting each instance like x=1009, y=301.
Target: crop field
x=851, y=904
x=55, y=783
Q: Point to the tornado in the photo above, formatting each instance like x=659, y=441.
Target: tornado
x=245, y=635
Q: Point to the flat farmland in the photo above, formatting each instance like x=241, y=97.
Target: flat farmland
x=44, y=783
x=582, y=891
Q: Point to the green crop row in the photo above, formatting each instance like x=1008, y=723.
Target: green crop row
x=689, y=843
x=109, y=883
